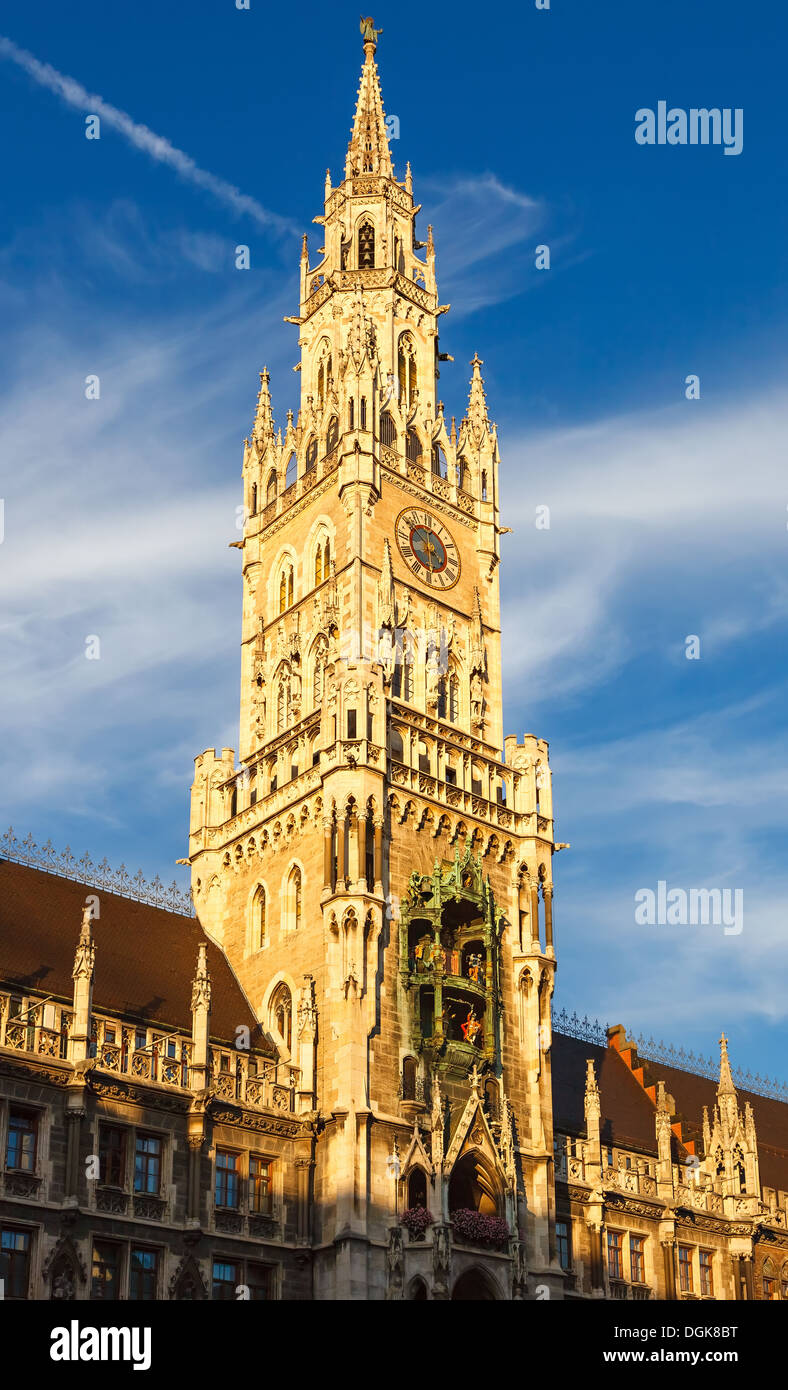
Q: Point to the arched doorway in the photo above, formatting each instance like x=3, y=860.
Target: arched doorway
x=418, y=1291
x=472, y=1187
x=474, y=1286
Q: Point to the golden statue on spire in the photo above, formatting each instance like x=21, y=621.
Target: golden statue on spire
x=367, y=27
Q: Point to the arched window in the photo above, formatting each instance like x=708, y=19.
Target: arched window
x=473, y=1187
x=484, y=485
x=363, y=413
x=322, y=559
x=439, y=465
x=366, y=246
x=462, y=475
x=397, y=749
x=254, y=498
x=332, y=437
x=409, y=1069
x=291, y=471
x=285, y=587
x=351, y=413
x=270, y=491
x=406, y=371
x=424, y=756
x=311, y=455
x=281, y=1014
x=388, y=430
x=259, y=924
x=413, y=446
x=417, y=1188
x=294, y=898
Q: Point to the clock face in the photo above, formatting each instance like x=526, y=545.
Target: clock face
x=427, y=548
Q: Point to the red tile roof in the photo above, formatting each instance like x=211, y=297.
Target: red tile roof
x=145, y=957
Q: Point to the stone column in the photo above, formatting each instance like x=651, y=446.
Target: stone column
x=201, y=1014
x=362, y=852
x=82, y=975
x=547, y=897
x=669, y=1258
x=341, y=853
x=328, y=855
x=378, y=857
x=75, y=1114
x=747, y=1271
x=534, y=889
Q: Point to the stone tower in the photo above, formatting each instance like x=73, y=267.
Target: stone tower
x=378, y=875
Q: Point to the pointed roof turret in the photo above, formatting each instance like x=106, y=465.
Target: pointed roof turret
x=264, y=418
x=476, y=414
x=368, y=151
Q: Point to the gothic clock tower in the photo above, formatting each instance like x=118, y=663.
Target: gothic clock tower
x=377, y=872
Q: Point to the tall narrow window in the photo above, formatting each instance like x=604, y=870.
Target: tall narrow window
x=112, y=1156
x=332, y=436
x=484, y=485
x=260, y=1186
x=285, y=588
x=637, y=1259
x=311, y=455
x=363, y=413
x=319, y=564
x=615, y=1254
x=254, y=498
x=295, y=888
x=454, y=698
x=685, y=1269
x=259, y=925
x=20, y=1151
x=147, y=1164
x=270, y=491
x=564, y=1244
x=228, y=1179
x=351, y=723
x=351, y=412
x=143, y=1270
x=366, y=246
x=225, y=1280
x=282, y=1014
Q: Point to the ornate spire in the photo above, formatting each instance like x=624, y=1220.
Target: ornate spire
x=476, y=414
x=264, y=418
x=368, y=151
x=592, y=1104
x=726, y=1086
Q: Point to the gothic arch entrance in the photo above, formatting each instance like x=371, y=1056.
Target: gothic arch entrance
x=474, y=1286
x=473, y=1187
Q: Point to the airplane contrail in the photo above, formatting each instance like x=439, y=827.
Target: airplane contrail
x=156, y=146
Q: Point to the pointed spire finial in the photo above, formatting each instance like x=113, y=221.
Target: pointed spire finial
x=368, y=151
x=726, y=1086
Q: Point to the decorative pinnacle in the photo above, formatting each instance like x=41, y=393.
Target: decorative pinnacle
x=726, y=1086
x=368, y=151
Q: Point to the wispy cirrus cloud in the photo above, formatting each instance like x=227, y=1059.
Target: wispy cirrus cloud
x=157, y=147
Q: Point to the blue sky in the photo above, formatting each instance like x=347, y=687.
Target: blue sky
x=668, y=517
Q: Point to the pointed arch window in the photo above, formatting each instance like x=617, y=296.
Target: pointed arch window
x=332, y=437
x=281, y=1014
x=351, y=413
x=285, y=587
x=322, y=560
x=324, y=376
x=270, y=491
x=291, y=471
x=311, y=455
x=363, y=413
x=282, y=702
x=407, y=375
x=254, y=499
x=484, y=485
x=294, y=898
x=366, y=246
x=462, y=475
x=439, y=465
x=259, y=921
